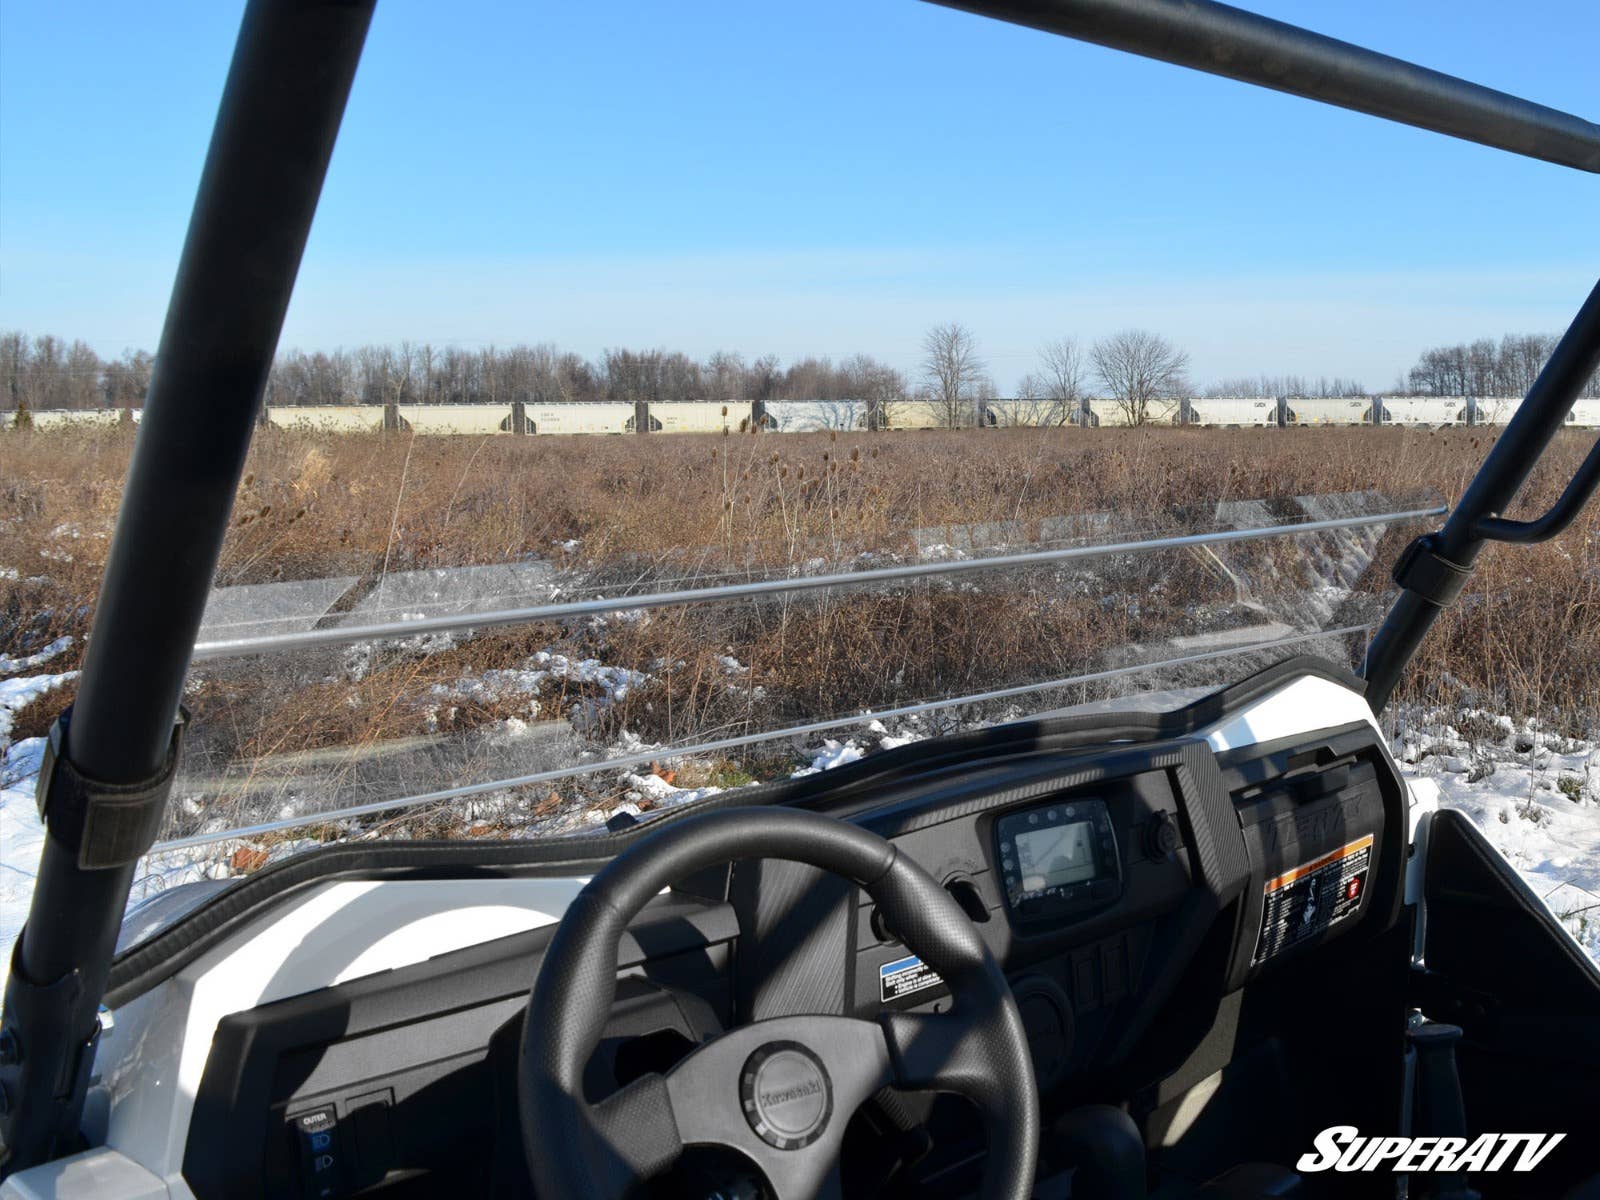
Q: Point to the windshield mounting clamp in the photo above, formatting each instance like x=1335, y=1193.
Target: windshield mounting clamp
x=1427, y=573
x=105, y=824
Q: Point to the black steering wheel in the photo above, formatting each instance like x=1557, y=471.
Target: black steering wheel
x=780, y=1091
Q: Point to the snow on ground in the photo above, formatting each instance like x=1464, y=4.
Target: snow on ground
x=1534, y=794
x=10, y=666
x=833, y=754
x=16, y=694
x=21, y=836
x=495, y=685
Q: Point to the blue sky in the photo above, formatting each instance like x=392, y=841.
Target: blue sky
x=824, y=178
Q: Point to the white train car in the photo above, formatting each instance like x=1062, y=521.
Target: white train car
x=70, y=418
x=1429, y=411
x=817, y=416
x=600, y=416
x=473, y=419
x=1005, y=413
x=327, y=418
x=1301, y=412
x=1495, y=410
x=700, y=416
x=1585, y=414
x=932, y=414
x=1108, y=414
x=1231, y=412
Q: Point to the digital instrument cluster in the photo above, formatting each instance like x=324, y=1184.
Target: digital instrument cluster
x=1058, y=858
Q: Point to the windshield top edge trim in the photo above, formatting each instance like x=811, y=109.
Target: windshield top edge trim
x=345, y=635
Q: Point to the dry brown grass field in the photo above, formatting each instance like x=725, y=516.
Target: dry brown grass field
x=639, y=511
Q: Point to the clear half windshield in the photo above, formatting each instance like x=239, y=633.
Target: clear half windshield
x=547, y=693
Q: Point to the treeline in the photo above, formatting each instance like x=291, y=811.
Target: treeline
x=1485, y=368
x=1293, y=386
x=418, y=374
x=49, y=372
x=1136, y=368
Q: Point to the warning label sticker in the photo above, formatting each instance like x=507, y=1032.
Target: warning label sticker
x=1302, y=902
x=904, y=976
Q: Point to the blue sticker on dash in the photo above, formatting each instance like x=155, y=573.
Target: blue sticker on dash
x=904, y=976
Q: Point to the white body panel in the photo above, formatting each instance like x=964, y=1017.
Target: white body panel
x=328, y=418
x=100, y=1173
x=611, y=416
x=1301, y=706
x=1256, y=412
x=456, y=418
x=1430, y=411
x=1345, y=410
x=150, y=1062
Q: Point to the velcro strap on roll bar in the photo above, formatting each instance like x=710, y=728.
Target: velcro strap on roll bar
x=1423, y=570
x=108, y=824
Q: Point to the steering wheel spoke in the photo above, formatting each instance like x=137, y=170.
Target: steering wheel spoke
x=982, y=1057
x=635, y=1135
x=941, y=1052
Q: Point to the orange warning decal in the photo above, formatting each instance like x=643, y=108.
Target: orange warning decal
x=1332, y=856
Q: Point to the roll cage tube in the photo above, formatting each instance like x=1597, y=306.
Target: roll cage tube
x=1222, y=40
x=104, y=785
x=280, y=113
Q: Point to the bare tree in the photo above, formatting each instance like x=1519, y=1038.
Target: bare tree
x=1061, y=377
x=1481, y=368
x=126, y=381
x=879, y=386
x=1142, y=373
x=15, y=354
x=953, y=371
x=763, y=378
x=1273, y=386
x=1031, y=406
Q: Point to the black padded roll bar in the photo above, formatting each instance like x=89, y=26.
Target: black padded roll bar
x=101, y=796
x=1222, y=40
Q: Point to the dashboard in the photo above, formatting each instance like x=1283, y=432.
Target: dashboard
x=1109, y=862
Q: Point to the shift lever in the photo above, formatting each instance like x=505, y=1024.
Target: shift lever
x=1105, y=1146
x=1441, y=1111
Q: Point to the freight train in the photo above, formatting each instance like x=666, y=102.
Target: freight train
x=841, y=416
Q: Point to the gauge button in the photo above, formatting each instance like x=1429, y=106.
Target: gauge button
x=316, y=1135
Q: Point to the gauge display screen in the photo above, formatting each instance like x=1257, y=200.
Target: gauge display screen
x=1058, y=856
x=1054, y=856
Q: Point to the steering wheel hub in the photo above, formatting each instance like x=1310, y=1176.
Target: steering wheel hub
x=786, y=1095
